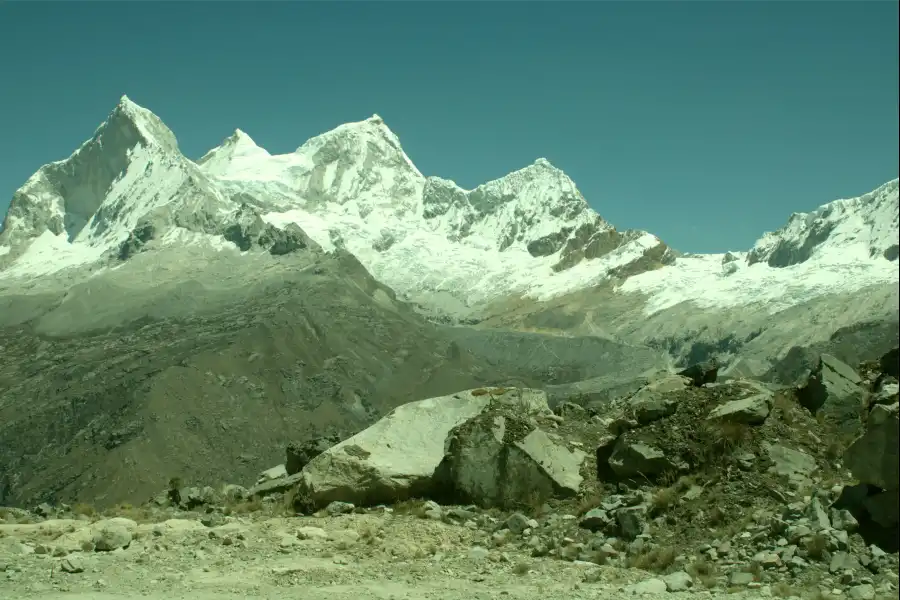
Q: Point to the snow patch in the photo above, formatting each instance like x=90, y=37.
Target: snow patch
x=50, y=253
x=707, y=283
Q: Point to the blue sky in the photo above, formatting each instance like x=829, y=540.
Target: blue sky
x=705, y=123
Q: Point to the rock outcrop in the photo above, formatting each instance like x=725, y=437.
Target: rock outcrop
x=397, y=456
x=503, y=457
x=835, y=390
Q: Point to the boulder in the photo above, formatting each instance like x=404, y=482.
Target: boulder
x=112, y=534
x=396, y=457
x=873, y=456
x=890, y=363
x=835, y=389
x=655, y=400
x=795, y=466
x=702, y=373
x=638, y=459
x=874, y=460
x=274, y=486
x=750, y=411
x=886, y=392
x=883, y=508
x=276, y=472
x=501, y=459
x=298, y=454
x=597, y=393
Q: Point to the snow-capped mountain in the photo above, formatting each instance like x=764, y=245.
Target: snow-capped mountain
x=842, y=246
x=528, y=234
x=859, y=228
x=75, y=212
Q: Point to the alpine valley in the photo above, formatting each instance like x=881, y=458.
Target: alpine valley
x=161, y=315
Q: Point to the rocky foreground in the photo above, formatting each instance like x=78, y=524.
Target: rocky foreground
x=686, y=487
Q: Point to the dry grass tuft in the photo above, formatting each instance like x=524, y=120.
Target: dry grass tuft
x=656, y=560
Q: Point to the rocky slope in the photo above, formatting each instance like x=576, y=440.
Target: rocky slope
x=111, y=386
x=697, y=487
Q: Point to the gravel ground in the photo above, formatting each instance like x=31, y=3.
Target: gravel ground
x=338, y=558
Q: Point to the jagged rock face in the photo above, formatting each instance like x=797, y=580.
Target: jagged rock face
x=869, y=222
x=63, y=197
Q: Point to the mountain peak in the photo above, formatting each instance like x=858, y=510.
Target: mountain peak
x=359, y=138
x=238, y=145
x=865, y=227
x=125, y=103
x=128, y=115
x=543, y=163
x=241, y=141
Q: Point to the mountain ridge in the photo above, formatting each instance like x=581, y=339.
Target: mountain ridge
x=530, y=233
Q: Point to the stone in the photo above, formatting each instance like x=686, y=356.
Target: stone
x=648, y=586
x=740, y=578
x=298, y=454
x=570, y=410
x=836, y=389
x=653, y=408
x=497, y=459
x=518, y=523
x=631, y=521
x=631, y=459
x=842, y=561
x=873, y=457
x=235, y=493
x=883, y=508
x=753, y=410
x=109, y=535
x=865, y=591
x=595, y=520
x=311, y=533
x=816, y=514
x=889, y=363
x=276, y=472
x=843, y=520
x=701, y=373
x=679, y=581
x=792, y=464
x=396, y=458
x=337, y=507
x=72, y=565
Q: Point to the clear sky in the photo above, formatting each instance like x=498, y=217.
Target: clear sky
x=705, y=123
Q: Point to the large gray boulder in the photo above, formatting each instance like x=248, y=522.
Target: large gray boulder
x=656, y=400
x=276, y=472
x=873, y=460
x=702, y=373
x=396, y=458
x=795, y=466
x=873, y=456
x=502, y=458
x=752, y=410
x=836, y=390
x=636, y=458
x=299, y=454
